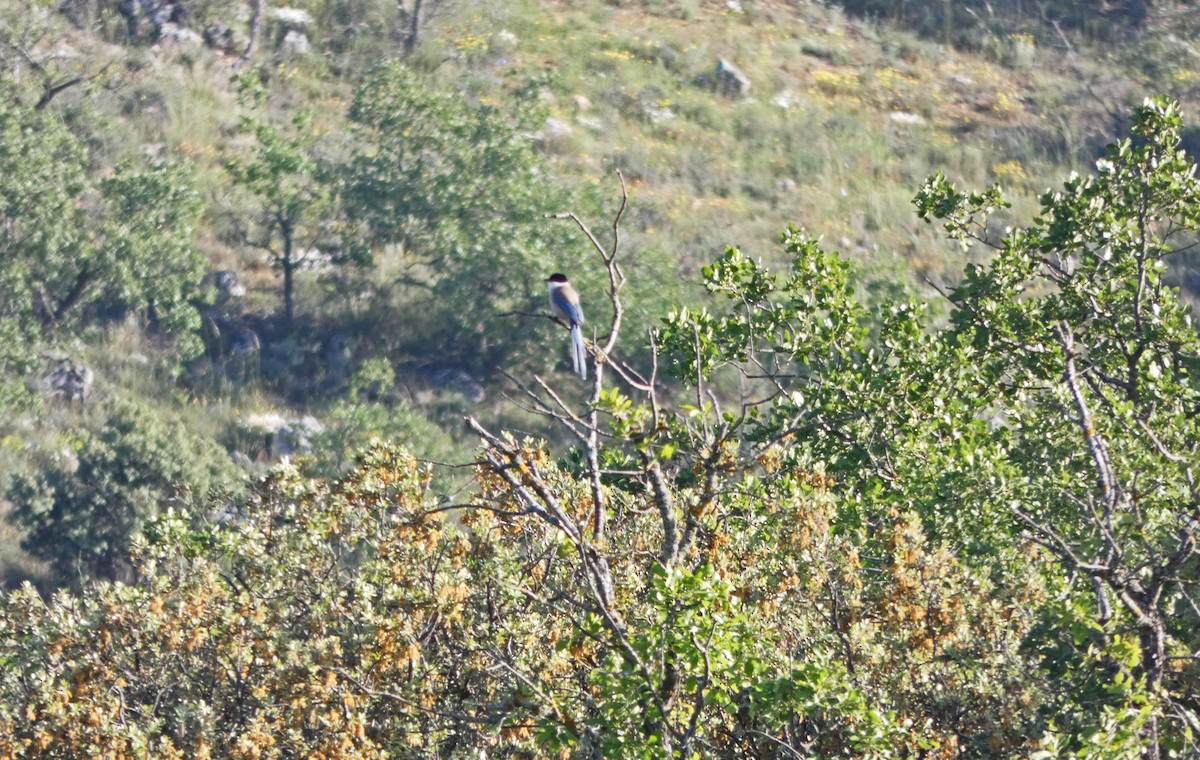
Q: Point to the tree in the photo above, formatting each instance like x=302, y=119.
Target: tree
x=283, y=172
x=453, y=196
x=150, y=261
x=258, y=18
x=1096, y=377
x=70, y=242
x=32, y=53
x=400, y=28
x=725, y=612
x=48, y=259
x=415, y=18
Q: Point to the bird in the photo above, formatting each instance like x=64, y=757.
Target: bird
x=565, y=303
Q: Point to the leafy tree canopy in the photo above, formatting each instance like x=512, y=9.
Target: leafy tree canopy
x=71, y=242
x=453, y=193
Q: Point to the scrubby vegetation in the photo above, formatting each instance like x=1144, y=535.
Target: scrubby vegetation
x=289, y=461
x=976, y=540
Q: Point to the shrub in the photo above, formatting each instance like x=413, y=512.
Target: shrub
x=84, y=505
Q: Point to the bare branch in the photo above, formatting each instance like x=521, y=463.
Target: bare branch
x=405, y=701
x=666, y=510
x=543, y=504
x=1162, y=449
x=701, y=688
x=792, y=751
x=476, y=505
x=708, y=496
x=1104, y=473
x=567, y=417
x=655, y=413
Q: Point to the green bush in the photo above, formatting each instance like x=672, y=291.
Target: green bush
x=83, y=505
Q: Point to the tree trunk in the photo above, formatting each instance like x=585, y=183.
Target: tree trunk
x=288, y=264
x=258, y=13
x=1153, y=640
x=414, y=28
x=82, y=281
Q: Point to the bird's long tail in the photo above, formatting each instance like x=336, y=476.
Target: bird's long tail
x=578, y=351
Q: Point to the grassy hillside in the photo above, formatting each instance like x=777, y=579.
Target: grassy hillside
x=844, y=118
x=840, y=123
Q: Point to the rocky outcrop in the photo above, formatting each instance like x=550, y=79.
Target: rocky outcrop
x=70, y=381
x=146, y=19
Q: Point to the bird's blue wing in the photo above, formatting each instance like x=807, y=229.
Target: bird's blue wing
x=569, y=307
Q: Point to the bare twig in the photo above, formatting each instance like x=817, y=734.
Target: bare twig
x=406, y=701
x=539, y=501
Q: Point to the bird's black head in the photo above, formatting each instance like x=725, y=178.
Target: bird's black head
x=557, y=277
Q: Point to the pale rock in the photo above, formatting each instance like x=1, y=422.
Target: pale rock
x=905, y=117
x=292, y=18
x=295, y=42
